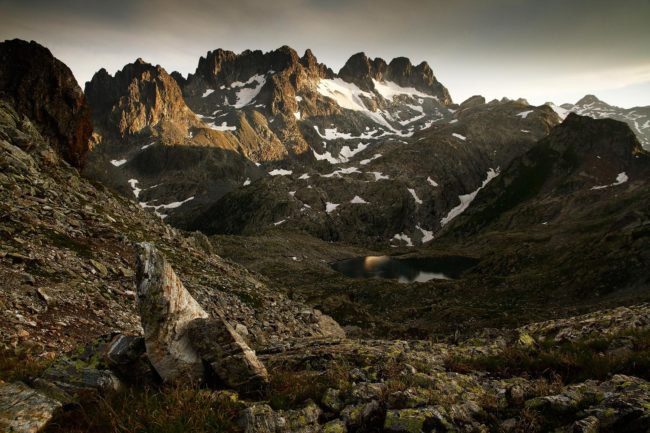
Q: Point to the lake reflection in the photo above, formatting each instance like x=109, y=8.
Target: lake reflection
x=407, y=270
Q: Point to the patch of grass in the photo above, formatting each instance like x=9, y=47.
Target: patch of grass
x=291, y=389
x=167, y=410
x=21, y=366
x=626, y=353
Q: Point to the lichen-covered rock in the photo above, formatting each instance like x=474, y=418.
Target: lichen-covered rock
x=228, y=355
x=335, y=426
x=262, y=418
x=75, y=376
x=417, y=420
x=23, y=409
x=258, y=419
x=363, y=415
x=166, y=309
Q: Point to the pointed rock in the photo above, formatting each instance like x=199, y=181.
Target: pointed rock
x=166, y=308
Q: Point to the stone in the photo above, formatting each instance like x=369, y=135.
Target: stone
x=25, y=410
x=335, y=426
x=589, y=424
x=406, y=420
x=231, y=360
x=258, y=419
x=74, y=376
x=363, y=415
x=166, y=308
x=331, y=400
x=127, y=356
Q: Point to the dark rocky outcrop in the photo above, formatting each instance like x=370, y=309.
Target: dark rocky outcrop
x=638, y=118
x=43, y=88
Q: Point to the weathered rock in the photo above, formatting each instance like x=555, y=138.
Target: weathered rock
x=228, y=355
x=416, y=420
x=73, y=376
x=23, y=409
x=258, y=419
x=166, y=309
x=363, y=415
x=262, y=419
x=126, y=355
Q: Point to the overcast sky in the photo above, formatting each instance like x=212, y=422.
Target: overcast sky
x=541, y=50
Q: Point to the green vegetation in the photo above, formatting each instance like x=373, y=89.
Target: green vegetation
x=167, y=410
x=595, y=358
x=290, y=389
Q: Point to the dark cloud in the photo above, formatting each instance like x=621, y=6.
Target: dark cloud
x=527, y=48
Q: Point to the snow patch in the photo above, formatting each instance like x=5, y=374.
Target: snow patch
x=620, y=179
x=389, y=90
x=358, y=200
x=136, y=190
x=466, y=199
x=415, y=196
x=562, y=112
x=524, y=114
x=369, y=160
x=280, y=172
x=432, y=182
x=208, y=92
x=404, y=238
x=118, y=162
x=330, y=207
x=247, y=181
x=223, y=127
x=427, y=235
x=379, y=176
x=347, y=95
x=172, y=205
x=246, y=95
x=459, y=136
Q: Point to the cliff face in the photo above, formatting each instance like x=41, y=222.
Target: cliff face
x=42, y=88
x=140, y=98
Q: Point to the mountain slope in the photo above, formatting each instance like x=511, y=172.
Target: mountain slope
x=393, y=191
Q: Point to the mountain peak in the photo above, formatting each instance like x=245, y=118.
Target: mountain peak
x=588, y=99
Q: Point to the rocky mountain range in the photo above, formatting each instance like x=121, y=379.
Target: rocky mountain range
x=637, y=117
x=511, y=241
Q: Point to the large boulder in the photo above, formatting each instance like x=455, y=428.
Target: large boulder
x=231, y=360
x=166, y=309
x=23, y=409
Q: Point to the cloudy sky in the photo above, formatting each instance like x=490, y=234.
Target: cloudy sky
x=541, y=50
